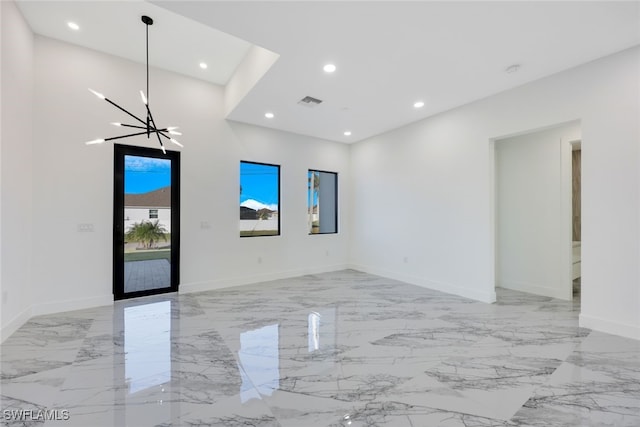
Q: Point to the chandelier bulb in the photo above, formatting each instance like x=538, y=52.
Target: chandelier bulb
x=98, y=94
x=95, y=141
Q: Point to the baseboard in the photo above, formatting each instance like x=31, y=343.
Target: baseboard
x=610, y=326
x=211, y=285
x=532, y=288
x=488, y=297
x=70, y=305
x=15, y=323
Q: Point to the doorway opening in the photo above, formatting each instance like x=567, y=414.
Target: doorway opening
x=576, y=208
x=146, y=227
x=534, y=211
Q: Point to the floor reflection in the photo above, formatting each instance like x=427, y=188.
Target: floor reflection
x=145, y=371
x=147, y=345
x=259, y=358
x=322, y=330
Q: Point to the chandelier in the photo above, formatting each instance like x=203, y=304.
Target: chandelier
x=144, y=127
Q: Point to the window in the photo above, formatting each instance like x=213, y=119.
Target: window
x=153, y=213
x=259, y=199
x=322, y=202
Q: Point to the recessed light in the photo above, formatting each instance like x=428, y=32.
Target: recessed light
x=347, y=133
x=269, y=115
x=418, y=104
x=73, y=26
x=203, y=65
x=329, y=68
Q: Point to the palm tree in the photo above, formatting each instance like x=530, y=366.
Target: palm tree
x=147, y=233
x=313, y=198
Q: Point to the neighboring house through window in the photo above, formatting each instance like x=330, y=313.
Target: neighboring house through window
x=150, y=206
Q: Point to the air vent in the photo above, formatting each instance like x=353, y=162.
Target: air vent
x=309, y=101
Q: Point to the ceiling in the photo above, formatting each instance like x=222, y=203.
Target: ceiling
x=388, y=54
x=176, y=43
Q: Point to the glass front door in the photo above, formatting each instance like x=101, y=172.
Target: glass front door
x=146, y=221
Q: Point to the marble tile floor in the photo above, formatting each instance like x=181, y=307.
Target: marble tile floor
x=336, y=349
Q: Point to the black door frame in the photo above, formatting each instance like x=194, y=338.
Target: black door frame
x=120, y=151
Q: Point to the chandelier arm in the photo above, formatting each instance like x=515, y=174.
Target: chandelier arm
x=150, y=117
x=160, y=131
x=147, y=27
x=159, y=140
x=153, y=122
x=122, y=109
x=133, y=126
x=125, y=136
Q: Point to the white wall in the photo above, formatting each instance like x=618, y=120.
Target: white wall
x=73, y=182
x=533, y=211
x=433, y=180
x=15, y=168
